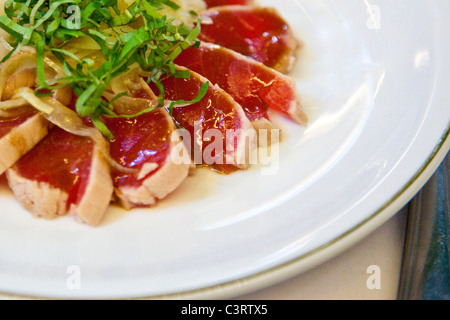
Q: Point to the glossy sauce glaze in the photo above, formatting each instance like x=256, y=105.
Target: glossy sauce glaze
x=138, y=141
x=215, y=111
x=254, y=86
x=259, y=33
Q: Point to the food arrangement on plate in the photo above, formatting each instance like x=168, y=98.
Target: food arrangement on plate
x=111, y=101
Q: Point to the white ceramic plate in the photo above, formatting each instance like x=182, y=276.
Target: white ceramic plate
x=374, y=76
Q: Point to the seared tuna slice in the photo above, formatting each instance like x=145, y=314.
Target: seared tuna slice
x=221, y=135
x=217, y=3
x=145, y=143
x=260, y=33
x=253, y=85
x=63, y=174
x=18, y=135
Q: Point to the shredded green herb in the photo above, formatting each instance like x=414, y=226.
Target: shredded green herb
x=49, y=25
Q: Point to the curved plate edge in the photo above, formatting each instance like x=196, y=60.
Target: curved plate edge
x=331, y=249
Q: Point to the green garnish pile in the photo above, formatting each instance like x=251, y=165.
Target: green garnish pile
x=49, y=25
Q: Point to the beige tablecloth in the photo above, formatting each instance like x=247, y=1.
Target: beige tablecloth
x=350, y=276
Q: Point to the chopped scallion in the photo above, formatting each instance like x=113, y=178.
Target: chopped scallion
x=50, y=25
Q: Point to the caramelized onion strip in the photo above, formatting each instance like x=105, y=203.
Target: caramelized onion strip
x=13, y=107
x=22, y=58
x=12, y=104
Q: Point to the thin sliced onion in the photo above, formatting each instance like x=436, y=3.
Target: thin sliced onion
x=82, y=43
x=132, y=82
x=123, y=82
x=12, y=104
x=25, y=58
x=5, y=47
x=56, y=66
x=22, y=58
x=206, y=20
x=13, y=108
x=31, y=98
x=128, y=106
